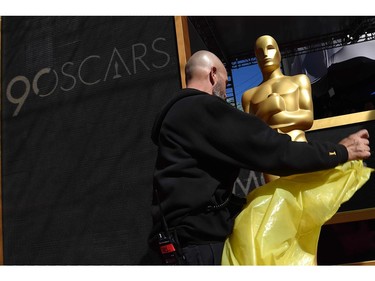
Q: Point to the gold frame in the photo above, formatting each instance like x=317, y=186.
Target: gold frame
x=341, y=120
x=183, y=44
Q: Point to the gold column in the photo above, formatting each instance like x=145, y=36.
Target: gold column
x=183, y=44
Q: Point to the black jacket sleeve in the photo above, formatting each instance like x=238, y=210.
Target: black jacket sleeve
x=207, y=126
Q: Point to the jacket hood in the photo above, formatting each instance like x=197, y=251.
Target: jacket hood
x=188, y=92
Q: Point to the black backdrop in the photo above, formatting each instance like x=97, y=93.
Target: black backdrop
x=79, y=95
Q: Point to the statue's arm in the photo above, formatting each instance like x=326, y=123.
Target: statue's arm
x=246, y=99
x=303, y=117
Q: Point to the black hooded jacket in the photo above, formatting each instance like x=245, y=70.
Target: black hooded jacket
x=202, y=143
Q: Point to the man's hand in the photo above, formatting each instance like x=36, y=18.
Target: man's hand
x=357, y=145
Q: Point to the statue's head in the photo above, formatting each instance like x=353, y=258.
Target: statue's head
x=267, y=53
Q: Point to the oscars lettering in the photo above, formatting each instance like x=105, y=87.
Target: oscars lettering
x=70, y=73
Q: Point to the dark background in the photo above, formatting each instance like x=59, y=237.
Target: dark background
x=77, y=158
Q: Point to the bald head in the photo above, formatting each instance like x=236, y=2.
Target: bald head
x=204, y=71
x=200, y=63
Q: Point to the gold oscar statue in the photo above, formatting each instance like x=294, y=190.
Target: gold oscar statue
x=281, y=221
x=283, y=102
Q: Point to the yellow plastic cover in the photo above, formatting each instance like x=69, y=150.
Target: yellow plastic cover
x=281, y=222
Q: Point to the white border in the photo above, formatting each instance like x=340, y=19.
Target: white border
x=188, y=273
x=184, y=8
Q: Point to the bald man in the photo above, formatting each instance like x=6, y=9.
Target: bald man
x=202, y=143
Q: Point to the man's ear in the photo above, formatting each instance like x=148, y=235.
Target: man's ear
x=212, y=75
